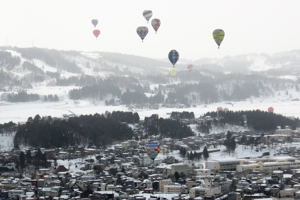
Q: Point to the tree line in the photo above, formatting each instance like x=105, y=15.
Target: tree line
x=39, y=159
x=166, y=127
x=193, y=155
x=96, y=130
x=258, y=120
x=23, y=96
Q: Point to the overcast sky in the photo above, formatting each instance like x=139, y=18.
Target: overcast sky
x=251, y=26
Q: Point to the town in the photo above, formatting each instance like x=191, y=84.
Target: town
x=225, y=164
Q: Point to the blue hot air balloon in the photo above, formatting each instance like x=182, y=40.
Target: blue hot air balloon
x=94, y=22
x=173, y=56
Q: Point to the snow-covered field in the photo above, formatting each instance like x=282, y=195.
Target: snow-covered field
x=19, y=112
x=7, y=141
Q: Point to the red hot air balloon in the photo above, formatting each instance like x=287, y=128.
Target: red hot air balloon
x=190, y=68
x=271, y=109
x=219, y=109
x=96, y=32
x=155, y=24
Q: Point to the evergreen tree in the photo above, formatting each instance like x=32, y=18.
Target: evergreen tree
x=28, y=157
x=243, y=139
x=22, y=160
x=38, y=158
x=205, y=153
x=176, y=176
x=182, y=152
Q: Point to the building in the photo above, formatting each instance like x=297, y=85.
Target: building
x=223, y=165
x=269, y=164
x=205, y=191
x=164, y=182
x=173, y=189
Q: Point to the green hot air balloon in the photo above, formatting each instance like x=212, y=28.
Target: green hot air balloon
x=218, y=36
x=142, y=31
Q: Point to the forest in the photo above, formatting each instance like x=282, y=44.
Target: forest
x=102, y=130
x=258, y=120
x=96, y=130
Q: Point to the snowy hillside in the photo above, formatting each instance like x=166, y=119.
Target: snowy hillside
x=41, y=81
x=279, y=64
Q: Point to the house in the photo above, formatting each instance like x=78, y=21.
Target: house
x=287, y=193
x=172, y=189
x=205, y=191
x=164, y=182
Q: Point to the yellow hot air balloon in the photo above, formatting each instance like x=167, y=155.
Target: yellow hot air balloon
x=173, y=72
x=218, y=36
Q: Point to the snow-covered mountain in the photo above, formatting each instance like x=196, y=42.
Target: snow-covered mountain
x=44, y=64
x=36, y=64
x=53, y=82
x=127, y=79
x=284, y=64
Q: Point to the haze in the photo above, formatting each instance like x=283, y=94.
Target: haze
x=251, y=26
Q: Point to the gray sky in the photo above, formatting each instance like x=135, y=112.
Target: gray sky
x=251, y=26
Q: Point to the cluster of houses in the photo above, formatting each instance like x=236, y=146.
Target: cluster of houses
x=124, y=171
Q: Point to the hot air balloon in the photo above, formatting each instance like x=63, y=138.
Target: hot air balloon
x=152, y=149
x=173, y=72
x=95, y=22
x=173, y=56
x=271, y=109
x=96, y=32
x=155, y=24
x=226, y=109
x=190, y=68
x=218, y=36
x=219, y=109
x=147, y=14
x=142, y=31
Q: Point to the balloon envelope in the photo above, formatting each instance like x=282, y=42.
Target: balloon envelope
x=173, y=72
x=190, y=67
x=226, y=109
x=142, y=31
x=152, y=149
x=218, y=35
x=96, y=32
x=147, y=14
x=271, y=109
x=95, y=22
x=155, y=24
x=219, y=109
x=173, y=56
